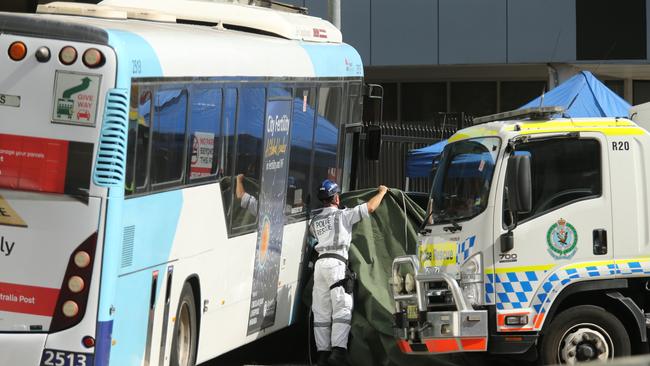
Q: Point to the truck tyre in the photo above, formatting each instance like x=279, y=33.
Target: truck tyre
x=184, y=341
x=583, y=333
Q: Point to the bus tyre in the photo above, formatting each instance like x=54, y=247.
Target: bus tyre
x=583, y=333
x=184, y=341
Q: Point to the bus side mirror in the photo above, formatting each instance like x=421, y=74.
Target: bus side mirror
x=373, y=103
x=519, y=184
x=373, y=142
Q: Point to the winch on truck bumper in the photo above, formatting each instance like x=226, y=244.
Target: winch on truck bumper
x=431, y=314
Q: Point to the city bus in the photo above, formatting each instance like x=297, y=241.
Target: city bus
x=158, y=166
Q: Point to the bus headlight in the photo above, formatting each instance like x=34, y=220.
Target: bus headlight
x=471, y=279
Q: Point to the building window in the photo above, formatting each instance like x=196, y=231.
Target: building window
x=515, y=94
x=477, y=98
x=423, y=101
x=641, y=90
x=617, y=86
x=391, y=101
x=607, y=30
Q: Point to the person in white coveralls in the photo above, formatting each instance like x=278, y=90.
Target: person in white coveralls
x=332, y=293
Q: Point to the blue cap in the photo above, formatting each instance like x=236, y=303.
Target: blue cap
x=328, y=189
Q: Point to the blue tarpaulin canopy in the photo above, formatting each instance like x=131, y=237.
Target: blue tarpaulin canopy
x=584, y=96
x=419, y=161
x=581, y=96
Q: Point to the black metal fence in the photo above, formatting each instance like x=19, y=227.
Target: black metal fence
x=397, y=140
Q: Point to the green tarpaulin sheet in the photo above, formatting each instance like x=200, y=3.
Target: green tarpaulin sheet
x=389, y=232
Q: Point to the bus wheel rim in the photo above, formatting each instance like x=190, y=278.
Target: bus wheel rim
x=184, y=336
x=585, y=342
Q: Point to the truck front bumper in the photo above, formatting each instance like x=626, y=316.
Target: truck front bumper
x=419, y=329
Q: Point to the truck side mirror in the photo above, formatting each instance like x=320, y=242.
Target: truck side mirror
x=373, y=142
x=518, y=179
x=507, y=242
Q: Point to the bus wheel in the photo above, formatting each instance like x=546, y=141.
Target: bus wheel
x=185, y=330
x=583, y=333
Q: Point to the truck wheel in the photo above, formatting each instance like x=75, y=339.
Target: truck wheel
x=185, y=330
x=583, y=333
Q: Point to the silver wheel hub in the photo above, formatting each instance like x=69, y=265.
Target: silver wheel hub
x=183, y=344
x=585, y=342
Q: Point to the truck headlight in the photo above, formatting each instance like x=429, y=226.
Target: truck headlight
x=473, y=293
x=398, y=283
x=471, y=279
x=409, y=283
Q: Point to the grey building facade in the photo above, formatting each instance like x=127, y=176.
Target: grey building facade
x=487, y=56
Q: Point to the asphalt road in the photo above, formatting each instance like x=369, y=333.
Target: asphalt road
x=289, y=347
x=284, y=347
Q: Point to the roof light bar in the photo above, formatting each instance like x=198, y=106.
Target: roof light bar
x=528, y=113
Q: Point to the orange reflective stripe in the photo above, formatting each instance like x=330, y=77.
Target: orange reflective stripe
x=442, y=345
x=539, y=318
x=404, y=346
x=524, y=329
x=474, y=344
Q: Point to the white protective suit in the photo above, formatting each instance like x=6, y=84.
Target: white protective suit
x=332, y=309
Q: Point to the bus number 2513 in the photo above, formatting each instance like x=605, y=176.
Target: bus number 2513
x=62, y=358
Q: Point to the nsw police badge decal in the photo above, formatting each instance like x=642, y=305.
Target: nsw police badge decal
x=562, y=240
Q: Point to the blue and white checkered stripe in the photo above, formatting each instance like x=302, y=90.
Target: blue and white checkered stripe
x=561, y=278
x=634, y=267
x=512, y=290
x=538, y=289
x=464, y=249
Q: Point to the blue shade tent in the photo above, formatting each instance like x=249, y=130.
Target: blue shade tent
x=584, y=96
x=420, y=161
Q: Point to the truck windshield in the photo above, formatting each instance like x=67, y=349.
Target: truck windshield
x=462, y=183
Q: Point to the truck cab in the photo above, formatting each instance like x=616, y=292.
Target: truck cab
x=536, y=242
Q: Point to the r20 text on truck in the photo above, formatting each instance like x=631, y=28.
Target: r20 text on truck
x=537, y=242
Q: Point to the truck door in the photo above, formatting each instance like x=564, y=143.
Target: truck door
x=567, y=234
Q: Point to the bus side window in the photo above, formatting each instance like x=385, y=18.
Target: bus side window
x=355, y=103
x=138, y=139
x=250, y=133
x=228, y=151
x=204, y=132
x=168, y=148
x=129, y=183
x=326, y=139
x=302, y=130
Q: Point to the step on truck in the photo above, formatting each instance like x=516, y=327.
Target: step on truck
x=536, y=242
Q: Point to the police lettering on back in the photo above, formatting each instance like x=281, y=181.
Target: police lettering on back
x=322, y=226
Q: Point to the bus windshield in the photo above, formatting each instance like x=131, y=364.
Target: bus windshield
x=462, y=184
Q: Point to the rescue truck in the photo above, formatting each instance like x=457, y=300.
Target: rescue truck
x=536, y=242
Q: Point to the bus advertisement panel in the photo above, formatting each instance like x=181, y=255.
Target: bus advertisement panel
x=271, y=216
